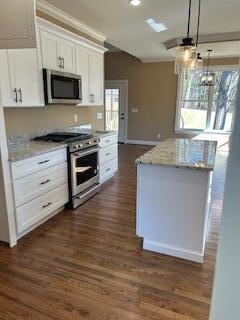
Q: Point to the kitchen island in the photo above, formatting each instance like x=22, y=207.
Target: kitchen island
x=173, y=197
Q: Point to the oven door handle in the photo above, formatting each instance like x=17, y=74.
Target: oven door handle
x=79, y=155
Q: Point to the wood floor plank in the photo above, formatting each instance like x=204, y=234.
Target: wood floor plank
x=89, y=264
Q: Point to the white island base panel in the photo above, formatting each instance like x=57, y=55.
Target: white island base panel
x=172, y=210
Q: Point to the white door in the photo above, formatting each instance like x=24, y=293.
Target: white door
x=116, y=107
x=67, y=55
x=25, y=69
x=96, y=83
x=50, y=51
x=82, y=69
x=17, y=24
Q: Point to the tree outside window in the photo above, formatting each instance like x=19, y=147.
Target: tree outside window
x=207, y=108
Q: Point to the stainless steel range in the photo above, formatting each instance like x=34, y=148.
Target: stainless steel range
x=82, y=164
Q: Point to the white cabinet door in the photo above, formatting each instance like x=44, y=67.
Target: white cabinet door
x=7, y=84
x=82, y=68
x=67, y=49
x=17, y=24
x=96, y=77
x=50, y=51
x=25, y=68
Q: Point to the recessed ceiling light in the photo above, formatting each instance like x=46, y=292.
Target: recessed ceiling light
x=156, y=26
x=135, y=3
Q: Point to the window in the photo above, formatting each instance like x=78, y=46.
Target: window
x=112, y=109
x=202, y=108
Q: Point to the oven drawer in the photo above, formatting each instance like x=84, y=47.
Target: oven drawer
x=34, y=164
x=108, y=140
x=38, y=209
x=30, y=187
x=108, y=169
x=108, y=153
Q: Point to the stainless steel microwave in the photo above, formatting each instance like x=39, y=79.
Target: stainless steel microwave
x=62, y=87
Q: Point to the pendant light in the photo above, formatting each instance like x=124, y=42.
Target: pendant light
x=186, y=52
x=197, y=63
x=207, y=78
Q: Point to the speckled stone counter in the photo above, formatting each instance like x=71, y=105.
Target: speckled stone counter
x=26, y=149
x=23, y=146
x=182, y=153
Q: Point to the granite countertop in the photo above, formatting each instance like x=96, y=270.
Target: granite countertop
x=182, y=153
x=27, y=149
x=23, y=146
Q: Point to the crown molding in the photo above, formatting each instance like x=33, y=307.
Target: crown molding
x=68, y=35
x=64, y=17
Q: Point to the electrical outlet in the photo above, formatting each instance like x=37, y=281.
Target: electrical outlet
x=75, y=118
x=159, y=136
x=99, y=115
x=134, y=110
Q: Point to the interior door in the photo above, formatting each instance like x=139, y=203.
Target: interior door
x=25, y=67
x=68, y=55
x=96, y=78
x=116, y=107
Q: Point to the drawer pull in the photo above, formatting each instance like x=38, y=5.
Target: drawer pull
x=46, y=205
x=108, y=154
x=108, y=169
x=44, y=182
x=42, y=162
x=108, y=140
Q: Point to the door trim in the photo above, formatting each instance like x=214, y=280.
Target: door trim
x=119, y=84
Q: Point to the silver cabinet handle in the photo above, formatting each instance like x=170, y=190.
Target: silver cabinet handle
x=20, y=99
x=15, y=99
x=60, y=62
x=44, y=182
x=42, y=162
x=63, y=63
x=108, y=154
x=92, y=98
x=46, y=205
x=108, y=169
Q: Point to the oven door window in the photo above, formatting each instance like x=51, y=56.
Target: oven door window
x=86, y=168
x=64, y=88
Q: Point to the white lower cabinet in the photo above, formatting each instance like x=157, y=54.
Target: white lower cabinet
x=40, y=186
x=108, y=157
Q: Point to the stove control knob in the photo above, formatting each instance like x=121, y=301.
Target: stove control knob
x=89, y=142
x=81, y=145
x=76, y=146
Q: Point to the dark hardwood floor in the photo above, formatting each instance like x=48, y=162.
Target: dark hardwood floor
x=89, y=264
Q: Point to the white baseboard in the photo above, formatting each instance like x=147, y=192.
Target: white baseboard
x=172, y=251
x=143, y=142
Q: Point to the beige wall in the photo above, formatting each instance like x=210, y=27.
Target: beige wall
x=30, y=120
x=153, y=90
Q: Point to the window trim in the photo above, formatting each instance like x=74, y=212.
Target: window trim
x=178, y=103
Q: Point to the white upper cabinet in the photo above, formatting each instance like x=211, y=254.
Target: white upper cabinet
x=89, y=64
x=17, y=24
x=57, y=53
x=21, y=78
x=82, y=68
x=96, y=78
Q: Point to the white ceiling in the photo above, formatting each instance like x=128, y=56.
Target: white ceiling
x=125, y=26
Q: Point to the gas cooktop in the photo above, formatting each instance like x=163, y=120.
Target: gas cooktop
x=64, y=137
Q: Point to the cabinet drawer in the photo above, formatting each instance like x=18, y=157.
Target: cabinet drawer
x=34, y=164
x=39, y=208
x=108, y=140
x=108, y=169
x=108, y=153
x=34, y=185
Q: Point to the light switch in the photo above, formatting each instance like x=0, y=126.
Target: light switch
x=99, y=115
x=134, y=110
